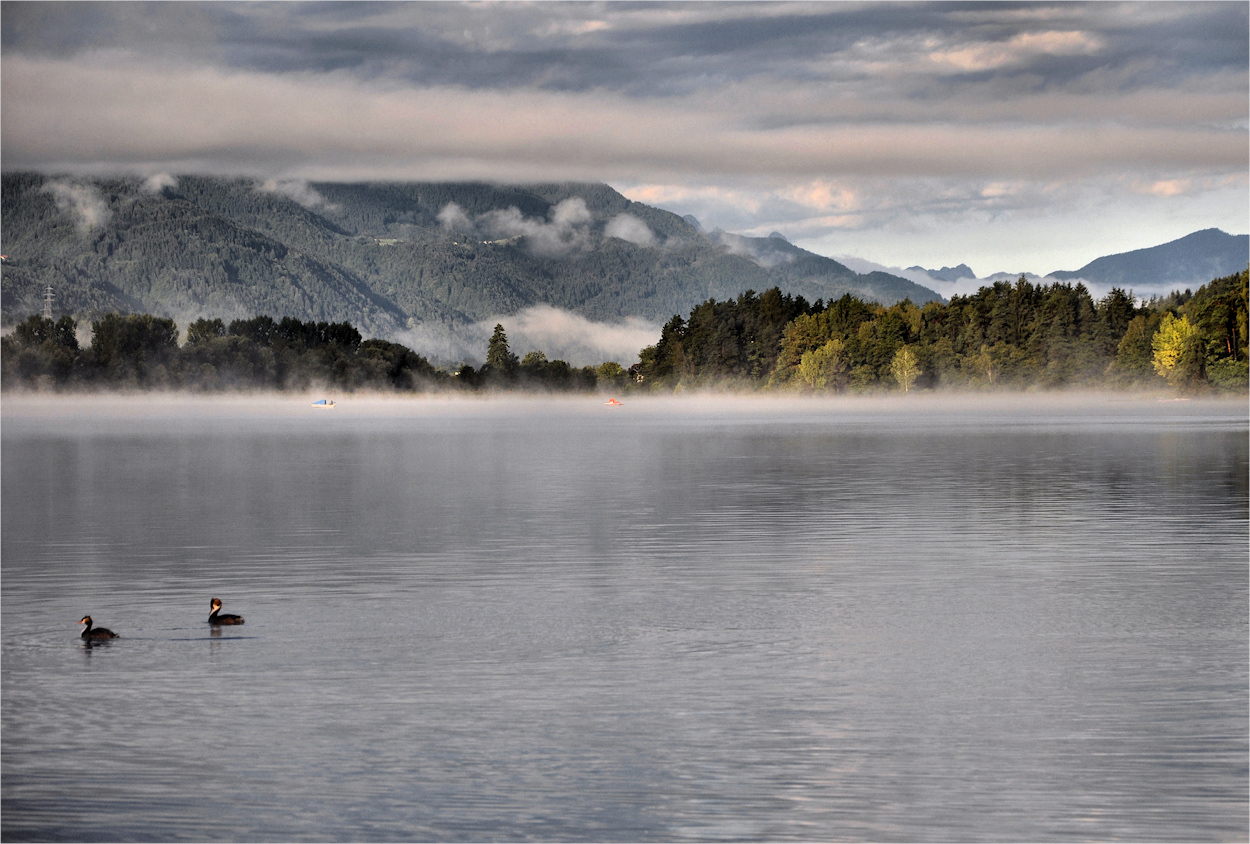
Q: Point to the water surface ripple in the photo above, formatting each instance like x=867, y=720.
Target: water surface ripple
x=696, y=619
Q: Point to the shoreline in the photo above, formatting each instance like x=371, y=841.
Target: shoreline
x=32, y=406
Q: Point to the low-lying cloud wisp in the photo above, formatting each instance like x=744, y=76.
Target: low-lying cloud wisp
x=454, y=218
x=969, y=286
x=158, y=182
x=629, y=228
x=564, y=335
x=567, y=228
x=760, y=250
x=299, y=191
x=559, y=334
x=84, y=202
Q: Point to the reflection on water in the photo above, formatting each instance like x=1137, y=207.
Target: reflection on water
x=694, y=619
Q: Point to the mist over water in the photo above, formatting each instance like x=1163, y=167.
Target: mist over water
x=912, y=618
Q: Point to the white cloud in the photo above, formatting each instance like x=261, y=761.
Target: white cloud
x=570, y=212
x=564, y=335
x=1165, y=187
x=822, y=195
x=629, y=228
x=560, y=334
x=760, y=251
x=158, y=182
x=566, y=231
x=443, y=345
x=298, y=190
x=84, y=202
x=454, y=218
x=1016, y=50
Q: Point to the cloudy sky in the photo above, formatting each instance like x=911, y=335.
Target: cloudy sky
x=1008, y=136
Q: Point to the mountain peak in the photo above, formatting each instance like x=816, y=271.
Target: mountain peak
x=1191, y=260
x=947, y=273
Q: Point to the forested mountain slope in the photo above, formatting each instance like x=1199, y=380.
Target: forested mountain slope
x=383, y=256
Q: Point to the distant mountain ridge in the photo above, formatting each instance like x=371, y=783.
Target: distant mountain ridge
x=384, y=256
x=1190, y=261
x=948, y=273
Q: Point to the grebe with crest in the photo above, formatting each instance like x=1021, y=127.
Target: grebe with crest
x=215, y=617
x=95, y=632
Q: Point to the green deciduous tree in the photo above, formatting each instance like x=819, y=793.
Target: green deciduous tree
x=205, y=329
x=135, y=348
x=611, y=374
x=824, y=368
x=42, y=351
x=905, y=368
x=983, y=364
x=1173, y=358
x=535, y=360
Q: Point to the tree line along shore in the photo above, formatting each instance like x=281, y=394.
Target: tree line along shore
x=1005, y=336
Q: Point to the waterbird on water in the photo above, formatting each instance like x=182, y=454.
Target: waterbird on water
x=97, y=632
x=215, y=618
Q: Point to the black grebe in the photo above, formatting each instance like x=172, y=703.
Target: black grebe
x=95, y=632
x=215, y=618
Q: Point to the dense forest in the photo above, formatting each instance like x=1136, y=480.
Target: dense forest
x=1007, y=336
x=142, y=352
x=1016, y=336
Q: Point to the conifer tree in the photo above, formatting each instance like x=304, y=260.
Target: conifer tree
x=498, y=356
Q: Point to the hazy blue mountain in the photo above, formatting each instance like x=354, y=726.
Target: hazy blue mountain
x=810, y=275
x=1011, y=277
x=1190, y=261
x=948, y=273
x=384, y=256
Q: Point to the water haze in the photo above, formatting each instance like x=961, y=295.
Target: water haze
x=703, y=618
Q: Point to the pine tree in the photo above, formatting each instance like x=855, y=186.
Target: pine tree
x=498, y=356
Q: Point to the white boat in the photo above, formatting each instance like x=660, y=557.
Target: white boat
x=324, y=404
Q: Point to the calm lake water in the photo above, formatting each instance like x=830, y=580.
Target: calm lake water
x=695, y=619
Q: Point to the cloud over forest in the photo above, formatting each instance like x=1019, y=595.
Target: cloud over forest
x=83, y=202
x=566, y=230
x=158, y=182
x=559, y=334
x=629, y=228
x=298, y=190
